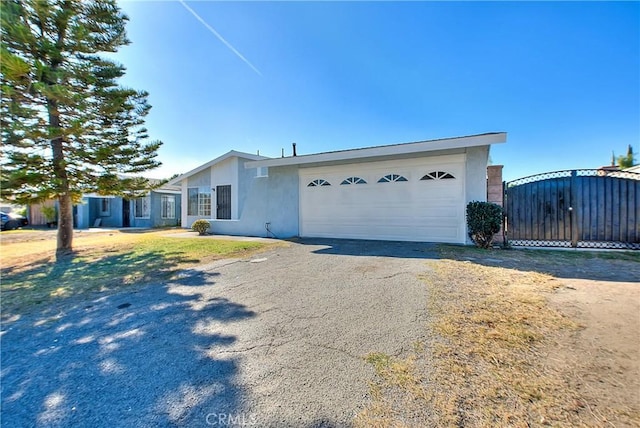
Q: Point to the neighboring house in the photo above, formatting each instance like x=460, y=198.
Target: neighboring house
x=635, y=168
x=160, y=207
x=410, y=192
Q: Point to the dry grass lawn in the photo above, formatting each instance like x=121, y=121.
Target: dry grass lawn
x=499, y=353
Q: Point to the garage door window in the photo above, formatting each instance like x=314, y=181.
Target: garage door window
x=353, y=180
x=318, y=183
x=392, y=178
x=438, y=175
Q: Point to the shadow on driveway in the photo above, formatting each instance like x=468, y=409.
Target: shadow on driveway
x=141, y=358
x=617, y=266
x=353, y=247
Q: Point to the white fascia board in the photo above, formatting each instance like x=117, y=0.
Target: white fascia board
x=169, y=192
x=390, y=150
x=219, y=159
x=96, y=195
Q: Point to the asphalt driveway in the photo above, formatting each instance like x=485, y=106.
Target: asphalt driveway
x=275, y=341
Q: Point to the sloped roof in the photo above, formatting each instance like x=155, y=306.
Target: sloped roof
x=219, y=159
x=388, y=150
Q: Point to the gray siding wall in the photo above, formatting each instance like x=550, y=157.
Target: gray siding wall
x=82, y=214
x=90, y=211
x=156, y=219
x=156, y=211
x=273, y=199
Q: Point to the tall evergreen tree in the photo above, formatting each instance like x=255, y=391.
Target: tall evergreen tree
x=68, y=128
x=627, y=161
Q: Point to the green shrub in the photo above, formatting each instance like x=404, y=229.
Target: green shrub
x=483, y=221
x=50, y=214
x=201, y=226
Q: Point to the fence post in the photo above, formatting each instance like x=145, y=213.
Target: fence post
x=575, y=227
x=495, y=193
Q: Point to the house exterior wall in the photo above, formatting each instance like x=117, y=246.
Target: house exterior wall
x=272, y=199
x=155, y=218
x=82, y=214
x=476, y=173
x=226, y=173
x=477, y=159
x=275, y=199
x=254, y=200
x=113, y=219
x=201, y=179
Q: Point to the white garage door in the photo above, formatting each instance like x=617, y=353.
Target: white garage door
x=420, y=199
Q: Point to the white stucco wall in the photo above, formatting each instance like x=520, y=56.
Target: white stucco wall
x=201, y=179
x=476, y=173
x=477, y=159
x=222, y=174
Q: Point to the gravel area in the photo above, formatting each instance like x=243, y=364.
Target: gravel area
x=275, y=341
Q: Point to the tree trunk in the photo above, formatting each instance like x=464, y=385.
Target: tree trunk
x=65, y=204
x=65, y=225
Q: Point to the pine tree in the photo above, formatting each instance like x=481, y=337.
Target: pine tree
x=68, y=128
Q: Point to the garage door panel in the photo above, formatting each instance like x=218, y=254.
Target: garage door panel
x=390, y=232
x=425, y=210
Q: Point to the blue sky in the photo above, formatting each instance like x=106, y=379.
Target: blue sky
x=562, y=79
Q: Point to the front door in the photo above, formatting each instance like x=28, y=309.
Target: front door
x=126, y=211
x=223, y=202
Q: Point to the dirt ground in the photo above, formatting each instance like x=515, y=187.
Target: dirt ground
x=599, y=361
x=603, y=357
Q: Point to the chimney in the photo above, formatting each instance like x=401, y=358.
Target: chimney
x=294, y=149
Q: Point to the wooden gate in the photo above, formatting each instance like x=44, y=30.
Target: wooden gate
x=577, y=208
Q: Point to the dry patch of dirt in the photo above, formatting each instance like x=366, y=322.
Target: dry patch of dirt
x=601, y=361
x=512, y=345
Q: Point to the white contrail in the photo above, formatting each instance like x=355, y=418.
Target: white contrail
x=215, y=33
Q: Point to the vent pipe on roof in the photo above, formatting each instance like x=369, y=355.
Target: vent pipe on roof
x=294, y=149
x=283, y=152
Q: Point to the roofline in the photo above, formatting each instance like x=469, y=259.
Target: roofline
x=164, y=190
x=219, y=159
x=379, y=151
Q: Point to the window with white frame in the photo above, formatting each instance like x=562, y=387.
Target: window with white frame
x=168, y=206
x=192, y=201
x=199, y=201
x=262, y=171
x=105, y=207
x=142, y=207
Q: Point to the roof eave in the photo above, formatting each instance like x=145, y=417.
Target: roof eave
x=229, y=154
x=382, y=151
